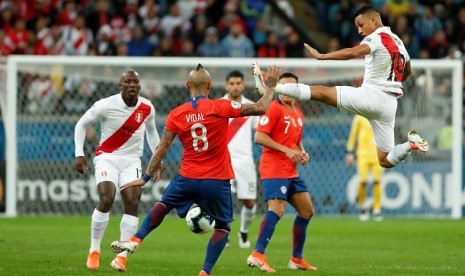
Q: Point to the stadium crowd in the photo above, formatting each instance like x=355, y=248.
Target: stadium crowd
x=210, y=28
x=215, y=28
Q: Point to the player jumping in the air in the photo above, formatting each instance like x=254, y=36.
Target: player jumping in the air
x=387, y=64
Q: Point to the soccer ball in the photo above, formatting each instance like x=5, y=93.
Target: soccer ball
x=198, y=221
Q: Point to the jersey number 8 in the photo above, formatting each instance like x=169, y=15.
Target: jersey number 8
x=197, y=137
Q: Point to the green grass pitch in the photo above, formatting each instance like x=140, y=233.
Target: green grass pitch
x=336, y=245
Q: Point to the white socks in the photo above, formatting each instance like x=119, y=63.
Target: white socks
x=128, y=228
x=298, y=91
x=98, y=226
x=247, y=216
x=399, y=153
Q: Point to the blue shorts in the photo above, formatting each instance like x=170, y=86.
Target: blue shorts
x=212, y=195
x=283, y=188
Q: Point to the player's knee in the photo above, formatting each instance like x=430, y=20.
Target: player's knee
x=307, y=213
x=249, y=204
x=106, y=201
x=132, y=202
x=221, y=225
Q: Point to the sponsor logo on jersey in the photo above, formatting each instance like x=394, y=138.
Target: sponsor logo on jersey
x=300, y=122
x=264, y=120
x=235, y=105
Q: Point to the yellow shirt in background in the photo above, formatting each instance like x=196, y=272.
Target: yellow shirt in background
x=361, y=134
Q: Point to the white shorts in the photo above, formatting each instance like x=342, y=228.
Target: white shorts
x=117, y=169
x=377, y=106
x=245, y=183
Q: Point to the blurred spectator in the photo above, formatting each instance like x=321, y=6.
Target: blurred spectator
x=105, y=41
x=172, y=20
x=77, y=37
x=99, y=17
x=227, y=20
x=252, y=10
x=152, y=24
x=165, y=48
x=120, y=30
x=122, y=49
x=259, y=33
x=272, y=48
x=131, y=15
x=333, y=45
x=210, y=46
x=17, y=37
x=438, y=45
x=395, y=8
x=6, y=19
x=341, y=21
x=426, y=25
x=295, y=45
x=44, y=36
x=4, y=48
x=459, y=26
x=177, y=40
x=58, y=44
x=68, y=14
x=236, y=44
x=148, y=5
x=139, y=45
x=187, y=49
x=42, y=96
x=197, y=32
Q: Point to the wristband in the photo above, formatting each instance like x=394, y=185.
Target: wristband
x=146, y=177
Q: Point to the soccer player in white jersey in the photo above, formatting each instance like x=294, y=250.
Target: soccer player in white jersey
x=387, y=64
x=124, y=119
x=240, y=149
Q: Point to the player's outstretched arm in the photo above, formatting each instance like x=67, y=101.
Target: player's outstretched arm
x=270, y=78
x=155, y=167
x=360, y=50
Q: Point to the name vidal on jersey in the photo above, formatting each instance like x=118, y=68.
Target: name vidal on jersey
x=195, y=117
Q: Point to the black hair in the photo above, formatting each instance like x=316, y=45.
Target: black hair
x=199, y=67
x=288, y=75
x=364, y=9
x=235, y=74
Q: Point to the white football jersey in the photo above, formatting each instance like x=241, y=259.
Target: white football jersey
x=122, y=127
x=240, y=145
x=385, y=64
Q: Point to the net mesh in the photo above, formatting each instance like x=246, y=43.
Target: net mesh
x=51, y=98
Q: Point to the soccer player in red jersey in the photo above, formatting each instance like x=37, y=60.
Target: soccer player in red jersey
x=124, y=119
x=280, y=133
x=204, y=177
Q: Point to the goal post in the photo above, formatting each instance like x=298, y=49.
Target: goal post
x=44, y=96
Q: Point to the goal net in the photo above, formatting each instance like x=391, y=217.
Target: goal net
x=43, y=97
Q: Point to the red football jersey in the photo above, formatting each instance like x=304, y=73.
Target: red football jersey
x=202, y=127
x=284, y=127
